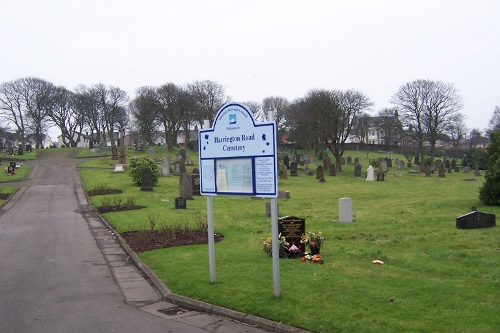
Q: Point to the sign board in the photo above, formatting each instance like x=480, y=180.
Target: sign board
x=238, y=155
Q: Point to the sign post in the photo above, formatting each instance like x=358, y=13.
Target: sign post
x=237, y=157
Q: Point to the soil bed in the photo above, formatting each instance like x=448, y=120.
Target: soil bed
x=103, y=192
x=110, y=209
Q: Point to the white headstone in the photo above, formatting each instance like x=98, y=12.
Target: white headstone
x=165, y=167
x=119, y=168
x=345, y=209
x=370, y=174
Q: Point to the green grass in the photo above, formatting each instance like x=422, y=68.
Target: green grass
x=441, y=279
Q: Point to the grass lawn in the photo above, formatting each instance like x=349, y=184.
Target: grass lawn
x=440, y=279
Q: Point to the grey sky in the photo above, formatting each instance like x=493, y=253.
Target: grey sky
x=257, y=49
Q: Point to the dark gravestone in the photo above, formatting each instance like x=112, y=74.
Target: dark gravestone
x=453, y=163
x=417, y=160
x=20, y=150
x=114, y=153
x=333, y=170
x=380, y=176
x=180, y=203
x=343, y=160
x=389, y=162
x=357, y=171
x=475, y=220
x=466, y=169
x=457, y=169
x=182, y=164
x=195, y=179
x=146, y=180
x=349, y=160
x=441, y=173
x=195, y=171
x=449, y=170
x=427, y=170
x=319, y=172
x=326, y=163
x=447, y=164
x=286, y=161
x=182, y=153
x=356, y=160
x=186, y=186
x=293, y=169
x=292, y=228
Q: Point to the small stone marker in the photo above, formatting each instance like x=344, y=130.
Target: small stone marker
x=345, y=209
x=370, y=174
x=292, y=228
x=165, y=167
x=427, y=170
x=319, y=173
x=380, y=176
x=286, y=161
x=119, y=168
x=477, y=173
x=114, y=153
x=383, y=166
x=268, y=208
x=186, y=186
x=146, y=180
x=349, y=160
x=180, y=203
x=177, y=168
x=357, y=171
x=195, y=179
x=466, y=169
x=293, y=169
x=333, y=170
x=474, y=220
x=441, y=173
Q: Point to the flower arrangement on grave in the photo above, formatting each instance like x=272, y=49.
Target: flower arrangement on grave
x=283, y=246
x=313, y=240
x=317, y=259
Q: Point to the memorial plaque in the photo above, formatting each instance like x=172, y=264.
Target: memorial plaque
x=292, y=228
x=195, y=178
x=180, y=203
x=475, y=220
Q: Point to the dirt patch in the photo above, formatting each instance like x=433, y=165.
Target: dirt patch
x=103, y=192
x=141, y=241
x=111, y=209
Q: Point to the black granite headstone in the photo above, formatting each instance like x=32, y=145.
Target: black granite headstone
x=292, y=228
x=180, y=203
x=475, y=220
x=146, y=180
x=196, y=184
x=293, y=169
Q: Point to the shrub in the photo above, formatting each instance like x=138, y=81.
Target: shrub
x=476, y=156
x=139, y=163
x=489, y=193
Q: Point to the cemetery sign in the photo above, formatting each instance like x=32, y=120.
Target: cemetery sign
x=237, y=155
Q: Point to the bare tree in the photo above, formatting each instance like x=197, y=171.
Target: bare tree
x=256, y=109
x=390, y=127
x=426, y=108
x=144, y=112
x=66, y=117
x=87, y=104
x=456, y=131
x=169, y=111
x=11, y=104
x=112, y=103
x=475, y=137
x=494, y=124
x=362, y=126
x=280, y=105
x=209, y=97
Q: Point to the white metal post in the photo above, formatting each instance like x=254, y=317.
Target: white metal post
x=274, y=231
x=210, y=222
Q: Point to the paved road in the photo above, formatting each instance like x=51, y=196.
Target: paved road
x=61, y=270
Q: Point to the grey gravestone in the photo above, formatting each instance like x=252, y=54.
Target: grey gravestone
x=356, y=160
x=389, y=162
x=466, y=169
x=383, y=165
x=292, y=228
x=370, y=174
x=457, y=169
x=20, y=150
x=283, y=194
x=343, y=160
x=441, y=173
x=476, y=171
x=345, y=210
x=349, y=160
x=165, y=167
x=475, y=220
x=453, y=163
x=182, y=164
x=195, y=179
x=357, y=171
x=427, y=170
x=151, y=152
x=183, y=153
x=282, y=170
x=186, y=186
x=293, y=169
x=180, y=203
x=449, y=170
x=447, y=164
x=380, y=176
x=333, y=170
x=146, y=180
x=310, y=173
x=319, y=172
x=286, y=161
x=326, y=163
x=177, y=168
x=437, y=163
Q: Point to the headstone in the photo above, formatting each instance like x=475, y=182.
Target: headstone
x=356, y=160
x=441, y=173
x=345, y=209
x=380, y=176
x=417, y=160
x=310, y=173
x=180, y=203
x=357, y=171
x=475, y=220
x=282, y=170
x=466, y=169
x=283, y=194
x=437, y=163
x=292, y=228
x=383, y=165
x=319, y=172
x=286, y=161
x=349, y=160
x=195, y=180
x=146, y=180
x=182, y=165
x=114, y=153
x=165, y=167
x=447, y=164
x=177, y=168
x=427, y=170
x=326, y=163
x=186, y=186
x=449, y=170
x=183, y=153
x=195, y=171
x=457, y=169
x=476, y=171
x=343, y=160
x=453, y=163
x=119, y=168
x=293, y=169
x=20, y=150
x=389, y=162
x=370, y=174
x=151, y=152
x=333, y=170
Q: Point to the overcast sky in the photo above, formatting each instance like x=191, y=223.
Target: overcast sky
x=258, y=48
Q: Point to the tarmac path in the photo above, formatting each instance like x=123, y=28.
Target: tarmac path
x=62, y=270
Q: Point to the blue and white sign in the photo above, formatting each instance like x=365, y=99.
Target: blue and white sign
x=237, y=155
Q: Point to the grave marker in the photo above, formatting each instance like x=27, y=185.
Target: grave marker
x=292, y=228
x=474, y=220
